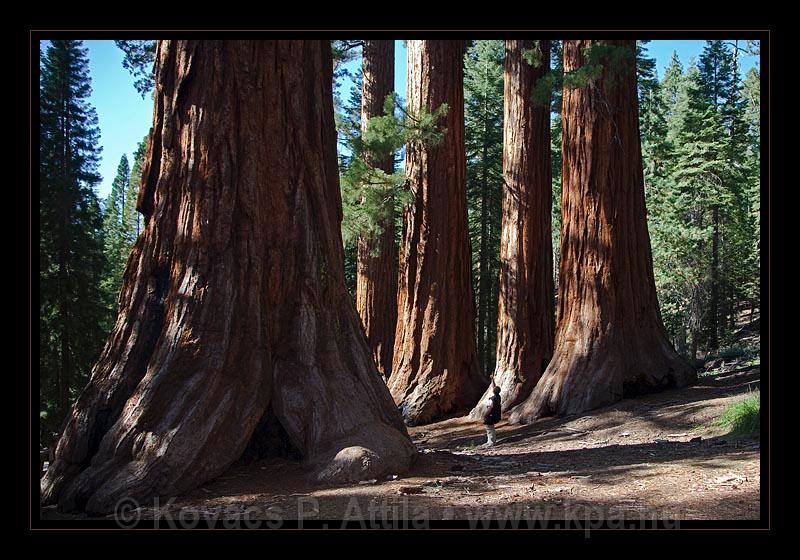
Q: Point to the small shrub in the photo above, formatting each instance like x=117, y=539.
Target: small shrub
x=737, y=350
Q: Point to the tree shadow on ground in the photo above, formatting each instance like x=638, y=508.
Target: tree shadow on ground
x=670, y=410
x=531, y=512
x=602, y=463
x=284, y=482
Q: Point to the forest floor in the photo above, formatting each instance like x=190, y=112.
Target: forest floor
x=655, y=457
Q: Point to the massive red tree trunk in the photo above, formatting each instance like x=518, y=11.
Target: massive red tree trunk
x=526, y=314
x=610, y=341
x=435, y=370
x=235, y=326
x=376, y=266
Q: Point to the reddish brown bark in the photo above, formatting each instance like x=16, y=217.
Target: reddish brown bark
x=526, y=315
x=610, y=341
x=435, y=369
x=234, y=325
x=376, y=265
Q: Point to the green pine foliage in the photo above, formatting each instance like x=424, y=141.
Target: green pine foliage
x=71, y=256
x=700, y=148
x=348, y=126
x=751, y=96
x=656, y=150
x=121, y=227
x=597, y=57
x=139, y=60
x=116, y=239
x=131, y=219
x=715, y=74
x=369, y=195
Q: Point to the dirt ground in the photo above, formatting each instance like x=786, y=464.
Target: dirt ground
x=655, y=457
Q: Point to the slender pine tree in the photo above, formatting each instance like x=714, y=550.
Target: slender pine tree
x=115, y=236
x=131, y=218
x=483, y=139
x=652, y=121
x=72, y=262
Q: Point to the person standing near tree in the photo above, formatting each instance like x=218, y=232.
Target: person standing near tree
x=492, y=415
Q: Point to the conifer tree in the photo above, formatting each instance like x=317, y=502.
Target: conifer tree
x=435, y=371
x=115, y=236
x=71, y=309
x=751, y=95
x=610, y=341
x=671, y=84
x=483, y=139
x=235, y=332
x=715, y=79
x=699, y=175
x=525, y=321
x=703, y=208
x=348, y=125
x=652, y=122
x=376, y=273
x=131, y=218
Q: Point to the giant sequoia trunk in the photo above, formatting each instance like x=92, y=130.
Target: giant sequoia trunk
x=610, y=341
x=234, y=325
x=376, y=269
x=435, y=369
x=525, y=321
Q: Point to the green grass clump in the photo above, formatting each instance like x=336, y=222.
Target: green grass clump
x=743, y=417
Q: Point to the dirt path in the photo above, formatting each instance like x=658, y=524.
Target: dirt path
x=633, y=460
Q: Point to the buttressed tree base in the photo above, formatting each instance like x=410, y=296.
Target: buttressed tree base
x=525, y=317
x=235, y=328
x=610, y=341
x=435, y=369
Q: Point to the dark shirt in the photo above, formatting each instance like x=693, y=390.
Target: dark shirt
x=494, y=414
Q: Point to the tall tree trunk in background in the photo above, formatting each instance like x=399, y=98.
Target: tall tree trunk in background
x=728, y=316
x=713, y=306
x=484, y=281
x=681, y=340
x=376, y=276
x=610, y=341
x=234, y=322
x=435, y=370
x=525, y=321
x=65, y=371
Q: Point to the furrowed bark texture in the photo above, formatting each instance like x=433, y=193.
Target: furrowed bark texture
x=610, y=341
x=435, y=369
x=526, y=314
x=376, y=265
x=233, y=311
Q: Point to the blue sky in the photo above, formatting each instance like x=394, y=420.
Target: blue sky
x=125, y=117
x=660, y=50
